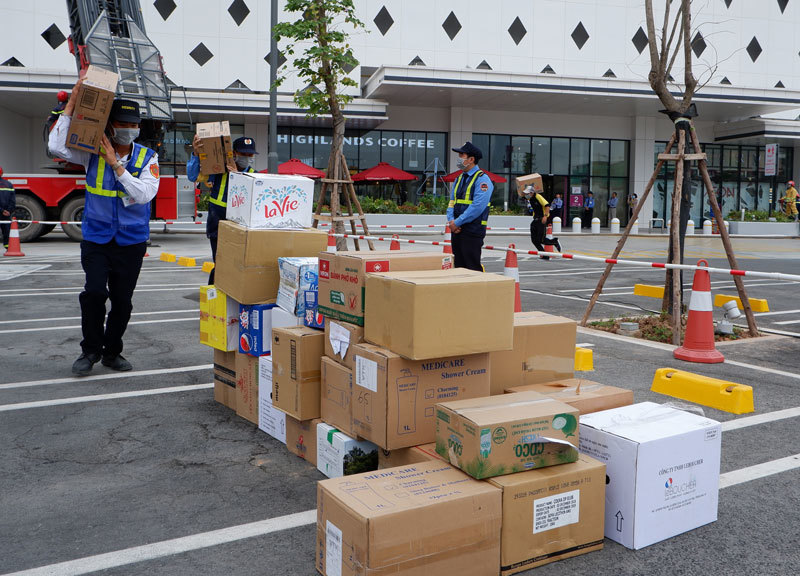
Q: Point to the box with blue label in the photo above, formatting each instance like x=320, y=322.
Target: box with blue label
x=298, y=275
x=313, y=317
x=255, y=329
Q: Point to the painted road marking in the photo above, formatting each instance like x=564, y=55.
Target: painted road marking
x=615, y=305
x=9, y=271
x=766, y=418
x=777, y=312
x=112, y=376
x=759, y=471
x=50, y=328
x=64, y=318
x=81, y=288
x=78, y=291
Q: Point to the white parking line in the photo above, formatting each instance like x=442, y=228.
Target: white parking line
x=765, y=418
x=64, y=318
x=10, y=290
x=50, y=328
x=759, y=471
x=564, y=296
x=112, y=376
x=787, y=322
x=777, y=312
x=79, y=290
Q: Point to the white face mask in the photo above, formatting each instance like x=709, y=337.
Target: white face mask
x=124, y=136
x=462, y=164
x=243, y=162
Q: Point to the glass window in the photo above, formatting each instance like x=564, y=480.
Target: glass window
x=284, y=147
x=521, y=154
x=322, y=147
x=785, y=157
x=600, y=157
x=414, y=147
x=619, y=158
x=540, y=156
x=599, y=189
x=500, y=154
x=713, y=154
x=620, y=186
x=482, y=142
x=730, y=197
x=350, y=147
x=369, y=151
x=560, y=156
x=658, y=149
x=392, y=148
x=730, y=163
x=303, y=145
x=174, y=154
x=579, y=156
x=436, y=147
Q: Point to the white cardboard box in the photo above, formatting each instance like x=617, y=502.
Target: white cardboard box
x=270, y=419
x=283, y=319
x=662, y=467
x=265, y=201
x=332, y=448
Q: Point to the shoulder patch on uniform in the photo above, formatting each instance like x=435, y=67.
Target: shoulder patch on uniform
x=154, y=170
x=484, y=187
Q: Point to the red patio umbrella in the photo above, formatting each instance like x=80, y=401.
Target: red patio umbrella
x=383, y=172
x=492, y=176
x=295, y=167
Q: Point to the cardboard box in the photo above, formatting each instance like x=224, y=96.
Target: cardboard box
x=423, y=519
x=662, y=466
x=219, y=319
x=247, y=374
x=296, y=358
x=301, y=438
x=394, y=398
x=342, y=277
x=336, y=398
x=533, y=180
x=439, y=313
x=499, y=435
x=255, y=328
x=225, y=378
x=340, y=455
x=92, y=109
x=247, y=260
x=551, y=514
x=282, y=319
x=340, y=340
x=407, y=456
x=544, y=350
x=217, y=148
x=301, y=273
x=593, y=397
x=269, y=201
x=313, y=318
x=270, y=419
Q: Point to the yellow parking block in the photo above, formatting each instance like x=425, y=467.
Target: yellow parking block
x=167, y=257
x=711, y=392
x=185, y=261
x=584, y=359
x=757, y=304
x=649, y=291
x=208, y=267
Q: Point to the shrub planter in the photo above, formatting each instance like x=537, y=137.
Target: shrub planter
x=765, y=228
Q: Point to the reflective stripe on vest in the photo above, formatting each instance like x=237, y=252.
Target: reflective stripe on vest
x=468, y=194
x=101, y=169
x=222, y=189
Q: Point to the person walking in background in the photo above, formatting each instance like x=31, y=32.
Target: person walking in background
x=632, y=200
x=612, y=207
x=8, y=203
x=588, y=210
x=556, y=208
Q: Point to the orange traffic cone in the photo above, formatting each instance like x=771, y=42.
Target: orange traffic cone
x=511, y=269
x=448, y=248
x=549, y=247
x=331, y=242
x=395, y=245
x=14, y=248
x=698, y=344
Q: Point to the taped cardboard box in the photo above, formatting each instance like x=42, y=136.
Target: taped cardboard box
x=414, y=313
x=219, y=319
x=342, y=277
x=270, y=419
x=407, y=456
x=341, y=455
x=247, y=260
x=551, y=514
x=340, y=341
x=225, y=378
x=92, y=109
x=301, y=438
x=543, y=351
x=663, y=470
x=216, y=147
x=394, y=398
x=296, y=357
x=247, y=387
x=336, y=398
x=270, y=201
x=534, y=180
x=585, y=395
x=427, y=518
x=499, y=435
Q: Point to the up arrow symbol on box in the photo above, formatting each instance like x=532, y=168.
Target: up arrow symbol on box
x=619, y=520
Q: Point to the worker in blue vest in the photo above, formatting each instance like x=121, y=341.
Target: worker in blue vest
x=244, y=152
x=121, y=181
x=468, y=211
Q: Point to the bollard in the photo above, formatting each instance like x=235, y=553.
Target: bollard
x=690, y=228
x=595, y=225
x=707, y=228
x=727, y=226
x=615, y=225
x=556, y=225
x=635, y=227
x=576, y=225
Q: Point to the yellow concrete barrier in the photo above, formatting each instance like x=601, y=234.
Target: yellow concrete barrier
x=711, y=392
x=167, y=257
x=757, y=304
x=647, y=290
x=208, y=267
x=584, y=360
x=185, y=261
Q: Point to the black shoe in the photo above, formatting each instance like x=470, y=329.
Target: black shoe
x=117, y=363
x=543, y=257
x=83, y=365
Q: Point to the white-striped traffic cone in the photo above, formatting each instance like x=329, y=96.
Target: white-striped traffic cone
x=698, y=344
x=331, y=242
x=14, y=248
x=448, y=248
x=511, y=269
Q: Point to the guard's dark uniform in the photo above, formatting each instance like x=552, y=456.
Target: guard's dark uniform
x=536, y=206
x=8, y=203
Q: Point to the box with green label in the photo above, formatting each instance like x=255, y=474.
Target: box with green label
x=499, y=435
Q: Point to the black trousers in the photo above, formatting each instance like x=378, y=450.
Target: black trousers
x=467, y=251
x=538, y=233
x=5, y=228
x=215, y=215
x=111, y=274
x=588, y=214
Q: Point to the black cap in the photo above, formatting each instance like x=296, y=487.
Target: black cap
x=470, y=150
x=245, y=145
x=125, y=111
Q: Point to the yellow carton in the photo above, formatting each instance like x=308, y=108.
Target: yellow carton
x=219, y=319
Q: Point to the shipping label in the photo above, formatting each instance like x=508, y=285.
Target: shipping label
x=556, y=511
x=367, y=373
x=333, y=550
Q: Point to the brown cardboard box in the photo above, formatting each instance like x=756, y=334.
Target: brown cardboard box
x=92, y=109
x=565, y=505
x=340, y=339
x=544, y=350
x=394, y=398
x=534, y=180
x=593, y=397
x=247, y=260
x=439, y=313
x=499, y=435
x=341, y=277
x=225, y=378
x=247, y=387
x=336, y=396
x=216, y=140
x=301, y=438
x=407, y=456
x=296, y=356
x=427, y=518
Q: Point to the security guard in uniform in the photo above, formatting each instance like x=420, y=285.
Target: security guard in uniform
x=244, y=151
x=120, y=183
x=8, y=203
x=468, y=211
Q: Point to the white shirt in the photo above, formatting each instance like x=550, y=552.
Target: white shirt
x=142, y=189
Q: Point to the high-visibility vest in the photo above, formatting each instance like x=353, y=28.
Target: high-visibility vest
x=463, y=199
x=219, y=188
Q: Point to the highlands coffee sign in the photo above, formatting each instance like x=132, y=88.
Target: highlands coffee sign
x=383, y=142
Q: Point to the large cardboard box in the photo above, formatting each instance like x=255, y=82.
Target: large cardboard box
x=551, y=514
x=336, y=398
x=219, y=319
x=270, y=419
x=225, y=378
x=340, y=340
x=407, y=456
x=255, y=328
x=488, y=437
x=247, y=260
x=340, y=455
x=217, y=147
x=247, y=375
x=296, y=357
x=423, y=519
x=534, y=180
x=543, y=351
x=585, y=395
x=663, y=470
x=439, y=313
x=301, y=438
x=342, y=277
x=268, y=201
x=394, y=398
x=92, y=109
